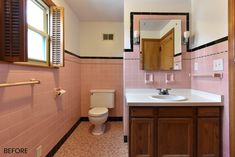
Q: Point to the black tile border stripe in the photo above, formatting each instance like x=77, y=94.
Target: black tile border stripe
x=169, y=13
x=90, y=57
x=178, y=54
x=209, y=44
x=66, y=136
x=132, y=14
x=72, y=54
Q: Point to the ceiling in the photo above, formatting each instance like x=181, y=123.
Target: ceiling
x=153, y=25
x=98, y=10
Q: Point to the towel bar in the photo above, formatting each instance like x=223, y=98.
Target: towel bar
x=31, y=82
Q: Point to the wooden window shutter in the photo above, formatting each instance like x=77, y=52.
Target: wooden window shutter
x=57, y=37
x=13, y=31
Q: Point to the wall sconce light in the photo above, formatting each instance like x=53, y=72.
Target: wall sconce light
x=136, y=37
x=186, y=37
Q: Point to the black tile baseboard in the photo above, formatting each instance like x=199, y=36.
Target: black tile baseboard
x=111, y=119
x=63, y=139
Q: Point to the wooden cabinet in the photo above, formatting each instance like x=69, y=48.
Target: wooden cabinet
x=208, y=132
x=142, y=137
x=175, y=137
x=175, y=132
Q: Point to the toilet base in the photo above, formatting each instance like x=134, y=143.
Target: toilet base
x=98, y=129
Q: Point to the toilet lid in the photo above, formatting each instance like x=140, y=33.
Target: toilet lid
x=98, y=111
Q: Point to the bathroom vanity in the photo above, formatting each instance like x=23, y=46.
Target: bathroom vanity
x=189, y=127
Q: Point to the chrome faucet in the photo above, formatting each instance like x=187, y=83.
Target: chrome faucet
x=163, y=91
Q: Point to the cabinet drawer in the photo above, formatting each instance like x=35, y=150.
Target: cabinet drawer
x=175, y=112
x=209, y=112
x=142, y=112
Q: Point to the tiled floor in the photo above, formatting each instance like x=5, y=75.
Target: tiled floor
x=83, y=144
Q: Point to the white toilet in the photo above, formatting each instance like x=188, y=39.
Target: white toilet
x=100, y=101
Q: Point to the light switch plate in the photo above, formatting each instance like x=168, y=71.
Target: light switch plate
x=218, y=65
x=195, y=66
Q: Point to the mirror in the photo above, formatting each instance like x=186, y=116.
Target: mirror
x=160, y=40
x=162, y=34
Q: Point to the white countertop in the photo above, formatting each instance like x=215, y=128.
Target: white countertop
x=142, y=97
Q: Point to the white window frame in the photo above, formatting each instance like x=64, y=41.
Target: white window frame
x=45, y=33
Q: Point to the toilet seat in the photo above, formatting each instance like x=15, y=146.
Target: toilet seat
x=98, y=111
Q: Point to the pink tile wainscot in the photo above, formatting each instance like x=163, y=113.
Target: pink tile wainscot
x=31, y=116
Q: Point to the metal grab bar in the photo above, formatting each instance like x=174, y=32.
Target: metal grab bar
x=31, y=82
x=213, y=75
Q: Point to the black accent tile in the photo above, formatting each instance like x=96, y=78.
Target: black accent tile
x=132, y=14
x=90, y=57
x=125, y=139
x=84, y=119
x=62, y=140
x=209, y=44
x=112, y=119
x=178, y=54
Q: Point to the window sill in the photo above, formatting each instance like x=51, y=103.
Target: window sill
x=34, y=64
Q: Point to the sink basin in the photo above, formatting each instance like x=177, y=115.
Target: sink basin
x=169, y=97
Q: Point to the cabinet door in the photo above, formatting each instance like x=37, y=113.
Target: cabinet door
x=141, y=137
x=175, y=137
x=208, y=137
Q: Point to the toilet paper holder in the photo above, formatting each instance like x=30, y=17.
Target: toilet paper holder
x=59, y=91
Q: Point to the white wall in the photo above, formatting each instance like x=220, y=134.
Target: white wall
x=92, y=43
x=71, y=28
x=176, y=24
x=149, y=34
x=209, y=21
x=150, y=6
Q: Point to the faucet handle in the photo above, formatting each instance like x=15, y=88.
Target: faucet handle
x=167, y=91
x=160, y=89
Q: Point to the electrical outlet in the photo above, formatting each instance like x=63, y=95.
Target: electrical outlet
x=195, y=66
x=39, y=151
x=218, y=65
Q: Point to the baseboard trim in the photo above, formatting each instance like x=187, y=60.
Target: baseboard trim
x=125, y=139
x=84, y=119
x=63, y=139
x=111, y=119
x=115, y=119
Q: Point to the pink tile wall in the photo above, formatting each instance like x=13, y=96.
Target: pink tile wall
x=32, y=116
x=102, y=74
x=204, y=58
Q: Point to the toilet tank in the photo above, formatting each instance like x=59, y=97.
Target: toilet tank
x=102, y=98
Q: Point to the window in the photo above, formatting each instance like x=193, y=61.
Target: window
x=32, y=32
x=38, y=30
